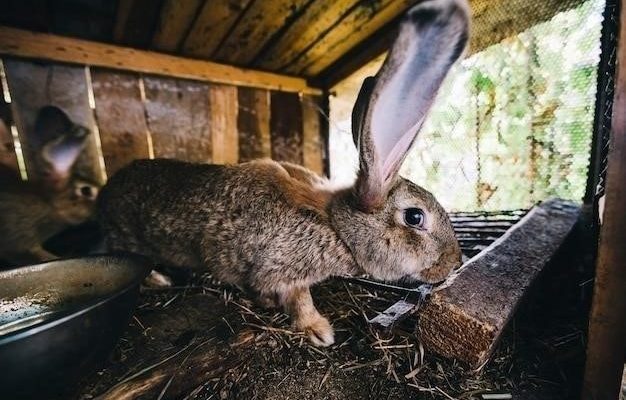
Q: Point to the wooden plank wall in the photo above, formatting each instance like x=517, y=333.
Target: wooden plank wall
x=134, y=116
x=7, y=151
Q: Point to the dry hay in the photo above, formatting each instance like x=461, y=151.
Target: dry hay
x=539, y=357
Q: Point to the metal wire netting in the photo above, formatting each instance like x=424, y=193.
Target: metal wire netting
x=512, y=124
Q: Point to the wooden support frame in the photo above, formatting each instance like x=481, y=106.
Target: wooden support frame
x=606, y=349
x=22, y=43
x=466, y=319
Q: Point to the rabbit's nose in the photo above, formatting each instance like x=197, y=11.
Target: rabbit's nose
x=449, y=260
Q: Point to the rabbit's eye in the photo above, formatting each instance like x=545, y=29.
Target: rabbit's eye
x=414, y=217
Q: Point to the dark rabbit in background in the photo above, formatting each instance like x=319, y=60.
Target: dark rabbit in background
x=33, y=211
x=277, y=228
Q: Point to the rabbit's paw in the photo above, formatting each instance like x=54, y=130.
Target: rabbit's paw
x=318, y=330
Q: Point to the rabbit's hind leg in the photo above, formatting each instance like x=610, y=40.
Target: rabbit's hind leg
x=299, y=304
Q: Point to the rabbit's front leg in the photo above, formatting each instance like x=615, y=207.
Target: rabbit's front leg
x=299, y=304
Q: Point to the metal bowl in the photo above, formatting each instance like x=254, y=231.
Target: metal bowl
x=59, y=320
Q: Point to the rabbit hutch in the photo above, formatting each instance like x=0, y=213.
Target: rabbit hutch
x=524, y=146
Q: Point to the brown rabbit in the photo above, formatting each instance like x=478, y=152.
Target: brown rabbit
x=31, y=212
x=277, y=228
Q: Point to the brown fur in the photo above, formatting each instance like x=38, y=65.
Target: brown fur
x=277, y=228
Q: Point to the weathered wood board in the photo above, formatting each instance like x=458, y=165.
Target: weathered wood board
x=286, y=127
x=312, y=140
x=7, y=150
x=253, y=124
x=223, y=121
x=135, y=21
x=260, y=21
x=178, y=118
x=354, y=27
x=465, y=320
x=317, y=19
x=121, y=118
x=176, y=17
x=212, y=24
x=21, y=43
x=34, y=85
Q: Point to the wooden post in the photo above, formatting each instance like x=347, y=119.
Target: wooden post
x=607, y=325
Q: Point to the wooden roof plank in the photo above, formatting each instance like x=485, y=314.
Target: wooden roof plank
x=489, y=26
x=365, y=19
x=20, y=43
x=259, y=23
x=174, y=22
x=135, y=22
x=215, y=20
x=317, y=20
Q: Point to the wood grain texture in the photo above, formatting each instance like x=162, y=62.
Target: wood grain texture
x=34, y=86
x=318, y=19
x=135, y=22
x=490, y=25
x=353, y=29
x=7, y=150
x=606, y=349
x=121, y=118
x=253, y=124
x=223, y=117
x=215, y=20
x=312, y=140
x=174, y=23
x=16, y=42
x=286, y=127
x=258, y=24
x=465, y=320
x=178, y=118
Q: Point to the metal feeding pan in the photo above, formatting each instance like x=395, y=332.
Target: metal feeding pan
x=59, y=320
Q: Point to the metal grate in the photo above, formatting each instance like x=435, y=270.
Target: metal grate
x=512, y=124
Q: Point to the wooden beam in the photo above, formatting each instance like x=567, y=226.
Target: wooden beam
x=606, y=348
x=354, y=28
x=465, y=320
x=362, y=54
x=258, y=24
x=317, y=20
x=215, y=20
x=174, y=23
x=20, y=43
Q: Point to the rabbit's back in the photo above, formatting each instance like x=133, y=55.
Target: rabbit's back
x=240, y=221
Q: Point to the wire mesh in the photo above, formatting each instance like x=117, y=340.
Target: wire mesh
x=512, y=124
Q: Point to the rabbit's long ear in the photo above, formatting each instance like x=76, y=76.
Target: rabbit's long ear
x=64, y=142
x=391, y=108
